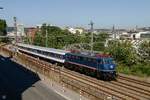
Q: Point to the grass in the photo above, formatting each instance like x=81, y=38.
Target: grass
x=142, y=70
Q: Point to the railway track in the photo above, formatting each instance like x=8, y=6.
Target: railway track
x=116, y=89
x=134, y=80
x=124, y=88
x=81, y=79
x=136, y=89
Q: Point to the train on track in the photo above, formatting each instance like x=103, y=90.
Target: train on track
x=97, y=65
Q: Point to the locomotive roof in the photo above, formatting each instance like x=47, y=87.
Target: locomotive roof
x=92, y=56
x=52, y=50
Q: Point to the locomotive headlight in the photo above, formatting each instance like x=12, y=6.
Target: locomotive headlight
x=111, y=66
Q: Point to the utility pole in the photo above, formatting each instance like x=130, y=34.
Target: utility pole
x=136, y=28
x=15, y=29
x=113, y=32
x=46, y=38
x=91, y=30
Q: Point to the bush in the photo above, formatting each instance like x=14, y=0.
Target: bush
x=138, y=69
x=123, y=52
x=144, y=51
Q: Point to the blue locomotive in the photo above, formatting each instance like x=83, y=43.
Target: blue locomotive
x=97, y=65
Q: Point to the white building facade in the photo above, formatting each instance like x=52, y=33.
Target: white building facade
x=141, y=35
x=20, y=30
x=75, y=30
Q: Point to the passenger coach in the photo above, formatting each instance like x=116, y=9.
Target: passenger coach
x=43, y=52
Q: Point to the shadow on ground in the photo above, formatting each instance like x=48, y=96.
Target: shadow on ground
x=14, y=79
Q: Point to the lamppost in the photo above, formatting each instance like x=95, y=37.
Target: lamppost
x=15, y=29
x=91, y=30
x=46, y=41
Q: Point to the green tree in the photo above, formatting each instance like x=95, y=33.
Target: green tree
x=57, y=38
x=100, y=40
x=3, y=27
x=27, y=40
x=39, y=39
x=43, y=29
x=144, y=51
x=123, y=52
x=101, y=37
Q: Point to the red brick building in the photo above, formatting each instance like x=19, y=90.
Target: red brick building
x=30, y=32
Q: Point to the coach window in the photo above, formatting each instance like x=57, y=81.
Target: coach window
x=85, y=59
x=43, y=53
x=49, y=54
x=56, y=56
x=34, y=50
x=61, y=56
x=52, y=54
x=89, y=59
x=38, y=51
x=28, y=49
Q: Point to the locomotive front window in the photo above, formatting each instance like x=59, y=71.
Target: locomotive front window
x=107, y=60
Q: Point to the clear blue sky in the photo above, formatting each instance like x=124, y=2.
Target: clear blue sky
x=104, y=13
